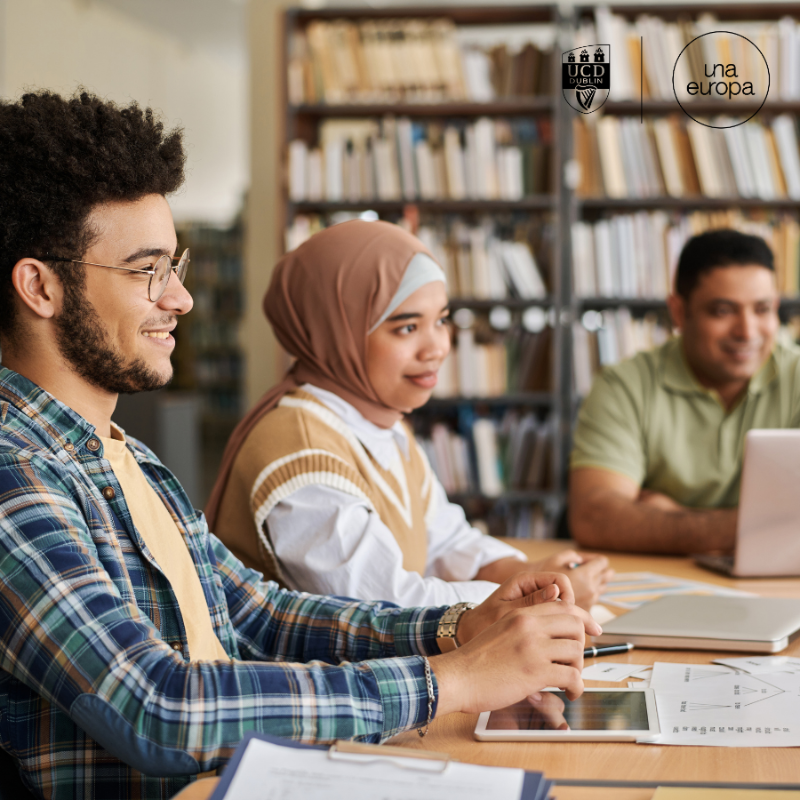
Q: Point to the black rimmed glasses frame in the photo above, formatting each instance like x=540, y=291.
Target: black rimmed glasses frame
x=159, y=273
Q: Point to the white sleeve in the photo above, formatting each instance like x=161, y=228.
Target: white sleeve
x=456, y=550
x=330, y=542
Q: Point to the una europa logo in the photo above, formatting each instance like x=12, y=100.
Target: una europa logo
x=726, y=68
x=586, y=76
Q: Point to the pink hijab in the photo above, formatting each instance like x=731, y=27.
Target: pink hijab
x=322, y=300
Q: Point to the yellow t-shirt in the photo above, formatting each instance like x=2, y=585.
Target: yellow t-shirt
x=162, y=537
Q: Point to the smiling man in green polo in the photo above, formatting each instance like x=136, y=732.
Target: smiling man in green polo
x=657, y=458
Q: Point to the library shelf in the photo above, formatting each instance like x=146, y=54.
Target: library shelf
x=704, y=107
x=511, y=303
x=461, y=15
x=661, y=112
x=304, y=120
x=506, y=107
x=699, y=202
x=679, y=11
x=644, y=304
x=531, y=203
x=528, y=399
x=633, y=303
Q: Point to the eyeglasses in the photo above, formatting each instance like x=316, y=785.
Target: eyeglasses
x=159, y=273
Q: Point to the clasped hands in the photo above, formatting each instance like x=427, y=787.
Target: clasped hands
x=527, y=635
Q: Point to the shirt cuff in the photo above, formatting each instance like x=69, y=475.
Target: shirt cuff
x=403, y=690
x=415, y=631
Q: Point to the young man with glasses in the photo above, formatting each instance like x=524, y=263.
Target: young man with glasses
x=135, y=650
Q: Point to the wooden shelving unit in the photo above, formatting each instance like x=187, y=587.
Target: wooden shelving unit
x=516, y=107
x=531, y=203
x=562, y=305
x=594, y=208
x=302, y=120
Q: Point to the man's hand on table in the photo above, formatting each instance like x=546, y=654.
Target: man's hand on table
x=513, y=645
x=588, y=578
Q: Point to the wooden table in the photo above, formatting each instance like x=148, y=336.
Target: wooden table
x=581, y=769
x=616, y=762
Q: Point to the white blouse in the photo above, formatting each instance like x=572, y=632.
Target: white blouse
x=330, y=542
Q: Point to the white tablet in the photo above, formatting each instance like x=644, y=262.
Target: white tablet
x=598, y=715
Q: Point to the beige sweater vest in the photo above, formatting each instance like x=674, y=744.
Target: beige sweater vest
x=302, y=443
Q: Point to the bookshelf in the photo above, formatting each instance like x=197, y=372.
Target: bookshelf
x=716, y=188
x=544, y=215
x=447, y=215
x=208, y=356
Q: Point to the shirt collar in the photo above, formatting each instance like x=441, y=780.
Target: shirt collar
x=678, y=376
x=382, y=443
x=58, y=421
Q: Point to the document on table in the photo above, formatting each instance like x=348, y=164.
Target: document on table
x=267, y=768
x=611, y=671
x=631, y=589
x=708, y=704
x=756, y=664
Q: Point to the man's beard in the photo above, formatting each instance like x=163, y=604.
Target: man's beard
x=83, y=341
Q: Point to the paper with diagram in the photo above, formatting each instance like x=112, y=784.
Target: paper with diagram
x=630, y=589
x=612, y=671
x=755, y=664
x=716, y=705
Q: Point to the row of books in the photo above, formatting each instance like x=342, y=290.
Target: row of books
x=411, y=60
x=603, y=338
x=778, y=41
x=512, y=453
x=488, y=363
x=623, y=157
x=491, y=260
x=635, y=255
x=394, y=159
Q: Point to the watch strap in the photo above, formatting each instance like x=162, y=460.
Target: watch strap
x=448, y=626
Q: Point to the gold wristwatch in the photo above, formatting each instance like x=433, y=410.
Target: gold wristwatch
x=448, y=625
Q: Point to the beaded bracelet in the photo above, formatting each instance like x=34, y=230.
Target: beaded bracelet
x=431, y=697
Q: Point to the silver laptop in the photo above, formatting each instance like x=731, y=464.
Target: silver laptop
x=694, y=622
x=768, y=533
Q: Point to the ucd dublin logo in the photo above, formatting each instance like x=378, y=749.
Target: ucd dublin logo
x=586, y=76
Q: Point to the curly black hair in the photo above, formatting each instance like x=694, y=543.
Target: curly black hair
x=59, y=158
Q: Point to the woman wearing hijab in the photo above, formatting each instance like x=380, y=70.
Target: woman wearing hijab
x=322, y=486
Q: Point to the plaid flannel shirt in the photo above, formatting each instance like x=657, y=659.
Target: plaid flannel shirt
x=98, y=697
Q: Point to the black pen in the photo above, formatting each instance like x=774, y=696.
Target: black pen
x=608, y=650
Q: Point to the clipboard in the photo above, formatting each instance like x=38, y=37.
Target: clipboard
x=534, y=786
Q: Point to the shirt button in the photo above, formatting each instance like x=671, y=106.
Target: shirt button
x=93, y=445
x=109, y=493
x=176, y=646
x=69, y=447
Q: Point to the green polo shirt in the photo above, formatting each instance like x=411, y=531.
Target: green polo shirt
x=650, y=419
